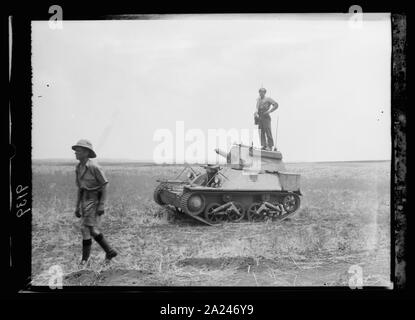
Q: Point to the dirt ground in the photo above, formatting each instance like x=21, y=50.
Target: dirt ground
x=316, y=269
x=343, y=223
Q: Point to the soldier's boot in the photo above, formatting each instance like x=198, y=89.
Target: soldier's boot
x=86, y=251
x=110, y=252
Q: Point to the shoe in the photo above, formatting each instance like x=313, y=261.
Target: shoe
x=84, y=263
x=110, y=253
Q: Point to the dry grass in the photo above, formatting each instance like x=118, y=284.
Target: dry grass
x=344, y=219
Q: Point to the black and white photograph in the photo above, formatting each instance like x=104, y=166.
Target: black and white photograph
x=212, y=150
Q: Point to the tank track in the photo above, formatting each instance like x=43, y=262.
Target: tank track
x=157, y=193
x=286, y=210
x=255, y=206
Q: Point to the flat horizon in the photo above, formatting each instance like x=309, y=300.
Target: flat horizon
x=121, y=160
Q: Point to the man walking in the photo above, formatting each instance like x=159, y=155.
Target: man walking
x=263, y=119
x=90, y=201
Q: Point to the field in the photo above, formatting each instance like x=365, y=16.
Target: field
x=344, y=221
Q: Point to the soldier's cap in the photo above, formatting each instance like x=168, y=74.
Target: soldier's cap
x=84, y=143
x=262, y=89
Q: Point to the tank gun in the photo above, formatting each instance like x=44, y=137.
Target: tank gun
x=242, y=156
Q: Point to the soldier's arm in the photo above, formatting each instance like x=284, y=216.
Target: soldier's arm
x=274, y=105
x=78, y=194
x=103, y=197
x=257, y=106
x=102, y=187
x=78, y=197
x=78, y=203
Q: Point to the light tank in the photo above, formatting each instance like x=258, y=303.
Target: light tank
x=252, y=185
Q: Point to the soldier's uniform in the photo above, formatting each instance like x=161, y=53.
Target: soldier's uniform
x=91, y=177
x=264, y=121
x=91, y=182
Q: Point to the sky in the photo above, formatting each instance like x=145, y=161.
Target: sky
x=133, y=87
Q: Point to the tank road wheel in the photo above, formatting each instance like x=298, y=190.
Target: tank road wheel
x=291, y=203
x=234, y=216
x=192, y=203
x=252, y=214
x=156, y=194
x=212, y=217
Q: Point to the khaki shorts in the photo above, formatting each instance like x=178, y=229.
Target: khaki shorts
x=89, y=215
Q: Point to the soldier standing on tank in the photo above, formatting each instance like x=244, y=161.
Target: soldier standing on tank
x=90, y=202
x=263, y=119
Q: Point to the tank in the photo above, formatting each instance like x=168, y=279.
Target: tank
x=253, y=185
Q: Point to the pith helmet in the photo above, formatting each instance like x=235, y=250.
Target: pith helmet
x=212, y=166
x=262, y=89
x=86, y=144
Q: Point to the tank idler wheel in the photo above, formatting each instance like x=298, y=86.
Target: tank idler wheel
x=291, y=203
x=236, y=212
x=192, y=203
x=156, y=193
x=212, y=217
x=253, y=214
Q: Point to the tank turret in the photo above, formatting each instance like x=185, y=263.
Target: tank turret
x=242, y=156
